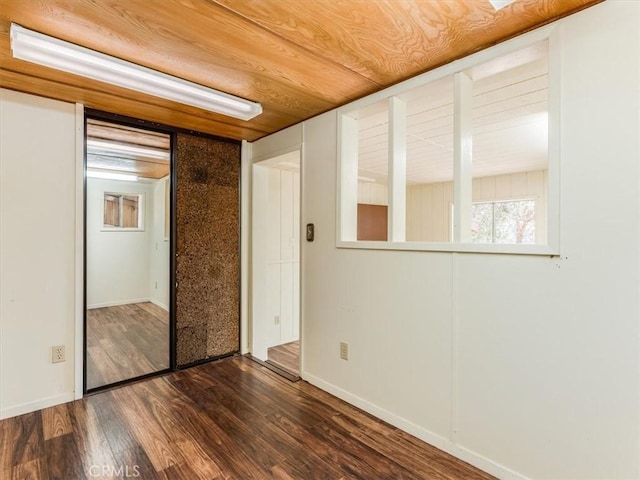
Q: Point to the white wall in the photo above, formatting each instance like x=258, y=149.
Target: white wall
x=37, y=251
x=373, y=193
x=159, y=256
x=526, y=366
x=118, y=262
x=429, y=205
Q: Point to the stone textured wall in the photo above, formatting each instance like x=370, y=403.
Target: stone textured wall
x=208, y=248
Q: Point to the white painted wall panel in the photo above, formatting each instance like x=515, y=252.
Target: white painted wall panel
x=524, y=365
x=373, y=193
x=37, y=251
x=381, y=304
x=285, y=141
x=118, y=263
x=429, y=205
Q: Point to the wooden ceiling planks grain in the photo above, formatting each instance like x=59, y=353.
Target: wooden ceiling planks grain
x=297, y=58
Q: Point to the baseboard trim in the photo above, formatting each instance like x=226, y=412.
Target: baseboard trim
x=117, y=304
x=431, y=438
x=157, y=303
x=36, y=405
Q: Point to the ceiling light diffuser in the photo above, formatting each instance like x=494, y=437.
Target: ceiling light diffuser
x=51, y=52
x=111, y=176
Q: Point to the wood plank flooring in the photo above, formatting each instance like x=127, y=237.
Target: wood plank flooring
x=126, y=341
x=232, y=420
x=286, y=356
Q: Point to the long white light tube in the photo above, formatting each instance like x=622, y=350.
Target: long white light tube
x=51, y=52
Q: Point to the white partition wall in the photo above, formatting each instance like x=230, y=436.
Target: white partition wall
x=38, y=296
x=524, y=365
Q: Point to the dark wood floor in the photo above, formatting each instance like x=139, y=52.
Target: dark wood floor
x=232, y=419
x=125, y=342
x=286, y=356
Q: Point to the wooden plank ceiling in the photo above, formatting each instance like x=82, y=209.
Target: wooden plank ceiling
x=297, y=58
x=122, y=149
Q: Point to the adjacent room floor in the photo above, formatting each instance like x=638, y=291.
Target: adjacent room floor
x=286, y=356
x=231, y=419
x=125, y=342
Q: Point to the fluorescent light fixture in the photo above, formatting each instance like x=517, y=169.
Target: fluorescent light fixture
x=99, y=147
x=498, y=4
x=51, y=52
x=111, y=176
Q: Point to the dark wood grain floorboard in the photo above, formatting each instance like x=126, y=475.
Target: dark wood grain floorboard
x=228, y=420
x=126, y=341
x=63, y=458
x=33, y=470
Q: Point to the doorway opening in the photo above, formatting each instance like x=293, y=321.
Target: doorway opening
x=276, y=262
x=127, y=253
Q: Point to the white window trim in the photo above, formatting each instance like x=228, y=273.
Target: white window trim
x=141, y=212
x=530, y=198
x=347, y=171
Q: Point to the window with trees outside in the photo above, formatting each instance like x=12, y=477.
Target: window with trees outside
x=511, y=222
x=460, y=161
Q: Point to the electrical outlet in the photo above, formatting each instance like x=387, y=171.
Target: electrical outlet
x=276, y=320
x=57, y=354
x=344, y=350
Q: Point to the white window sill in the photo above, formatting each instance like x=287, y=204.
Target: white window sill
x=122, y=229
x=453, y=247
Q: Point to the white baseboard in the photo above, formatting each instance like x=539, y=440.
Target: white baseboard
x=161, y=305
x=36, y=405
x=118, y=303
x=431, y=438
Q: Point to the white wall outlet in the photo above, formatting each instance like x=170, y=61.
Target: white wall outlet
x=57, y=354
x=276, y=320
x=344, y=350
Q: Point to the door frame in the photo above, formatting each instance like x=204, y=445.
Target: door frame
x=81, y=356
x=257, y=301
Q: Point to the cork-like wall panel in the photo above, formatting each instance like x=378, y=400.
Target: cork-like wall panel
x=208, y=248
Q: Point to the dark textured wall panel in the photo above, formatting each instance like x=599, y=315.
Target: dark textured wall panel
x=208, y=246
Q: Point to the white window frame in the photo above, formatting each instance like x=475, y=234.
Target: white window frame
x=532, y=198
x=347, y=171
x=141, y=208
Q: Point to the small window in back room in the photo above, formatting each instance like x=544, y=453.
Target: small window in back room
x=122, y=211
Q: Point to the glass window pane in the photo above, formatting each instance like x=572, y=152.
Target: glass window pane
x=514, y=222
x=111, y=210
x=130, y=211
x=373, y=171
x=510, y=144
x=122, y=211
x=482, y=223
x=429, y=188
